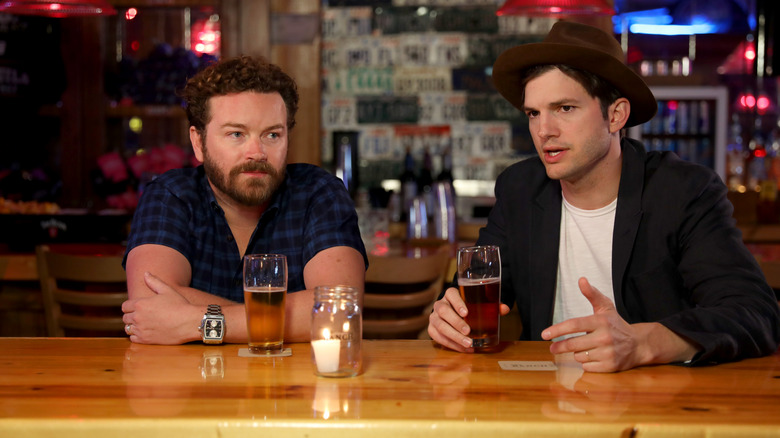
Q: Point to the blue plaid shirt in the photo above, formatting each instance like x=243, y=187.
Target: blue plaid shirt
x=311, y=211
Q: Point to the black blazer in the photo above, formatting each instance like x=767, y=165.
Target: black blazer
x=677, y=256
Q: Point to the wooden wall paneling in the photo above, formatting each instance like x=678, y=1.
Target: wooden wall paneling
x=245, y=27
x=301, y=60
x=83, y=109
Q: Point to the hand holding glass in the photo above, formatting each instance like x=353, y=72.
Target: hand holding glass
x=479, y=281
x=265, y=290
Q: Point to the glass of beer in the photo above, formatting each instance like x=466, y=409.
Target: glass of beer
x=479, y=280
x=265, y=289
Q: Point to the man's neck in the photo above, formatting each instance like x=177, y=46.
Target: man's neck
x=241, y=219
x=600, y=186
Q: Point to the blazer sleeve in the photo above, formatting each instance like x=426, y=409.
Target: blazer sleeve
x=732, y=312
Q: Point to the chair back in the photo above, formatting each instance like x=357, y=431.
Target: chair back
x=83, y=289
x=400, y=292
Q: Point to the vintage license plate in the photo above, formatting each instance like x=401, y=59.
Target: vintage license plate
x=409, y=80
x=477, y=19
x=442, y=108
x=404, y=19
x=346, y=22
x=450, y=50
x=387, y=109
x=371, y=51
x=491, y=106
x=339, y=112
x=376, y=143
x=486, y=139
x=359, y=80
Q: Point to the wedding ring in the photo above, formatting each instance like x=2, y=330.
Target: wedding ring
x=587, y=356
x=127, y=329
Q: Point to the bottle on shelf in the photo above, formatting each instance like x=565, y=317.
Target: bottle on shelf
x=425, y=182
x=735, y=157
x=408, y=183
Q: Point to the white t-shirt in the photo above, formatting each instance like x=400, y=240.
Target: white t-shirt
x=585, y=251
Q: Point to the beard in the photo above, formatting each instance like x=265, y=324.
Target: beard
x=255, y=192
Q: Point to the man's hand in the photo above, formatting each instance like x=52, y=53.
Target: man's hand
x=447, y=325
x=609, y=343
x=165, y=318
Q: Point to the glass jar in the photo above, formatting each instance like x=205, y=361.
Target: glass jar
x=336, y=331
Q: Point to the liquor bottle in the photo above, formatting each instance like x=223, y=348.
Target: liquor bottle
x=756, y=169
x=408, y=183
x=446, y=166
x=735, y=157
x=425, y=182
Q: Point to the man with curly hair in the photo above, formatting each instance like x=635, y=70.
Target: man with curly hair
x=193, y=226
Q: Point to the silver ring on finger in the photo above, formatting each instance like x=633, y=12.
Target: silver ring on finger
x=129, y=329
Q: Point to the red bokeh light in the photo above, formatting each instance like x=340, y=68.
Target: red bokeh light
x=762, y=102
x=131, y=13
x=750, y=53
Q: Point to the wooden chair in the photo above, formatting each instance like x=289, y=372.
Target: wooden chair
x=83, y=288
x=400, y=292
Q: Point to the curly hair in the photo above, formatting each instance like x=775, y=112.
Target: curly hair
x=236, y=75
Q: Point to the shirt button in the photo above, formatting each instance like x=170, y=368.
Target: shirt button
x=229, y=238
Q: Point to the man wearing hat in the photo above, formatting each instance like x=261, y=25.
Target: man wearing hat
x=620, y=256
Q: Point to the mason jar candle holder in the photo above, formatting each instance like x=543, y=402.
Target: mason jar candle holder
x=336, y=331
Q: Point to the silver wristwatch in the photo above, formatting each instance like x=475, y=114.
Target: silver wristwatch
x=212, y=326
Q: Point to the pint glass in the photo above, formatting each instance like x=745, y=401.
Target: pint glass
x=479, y=280
x=265, y=290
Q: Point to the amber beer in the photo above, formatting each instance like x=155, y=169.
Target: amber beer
x=479, y=280
x=265, y=291
x=482, y=301
x=265, y=319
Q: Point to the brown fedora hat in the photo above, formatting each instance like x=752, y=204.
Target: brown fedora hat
x=583, y=47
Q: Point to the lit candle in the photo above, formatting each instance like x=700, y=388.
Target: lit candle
x=326, y=353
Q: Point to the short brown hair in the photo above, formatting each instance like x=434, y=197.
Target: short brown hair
x=236, y=75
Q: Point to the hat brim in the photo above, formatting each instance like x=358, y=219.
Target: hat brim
x=508, y=69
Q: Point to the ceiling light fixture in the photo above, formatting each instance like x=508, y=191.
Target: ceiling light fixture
x=57, y=8
x=555, y=7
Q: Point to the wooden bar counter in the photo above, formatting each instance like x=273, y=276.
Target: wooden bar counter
x=112, y=388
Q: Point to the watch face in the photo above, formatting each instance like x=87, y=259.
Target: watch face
x=213, y=329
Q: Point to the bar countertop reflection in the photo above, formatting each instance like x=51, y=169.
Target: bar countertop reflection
x=111, y=387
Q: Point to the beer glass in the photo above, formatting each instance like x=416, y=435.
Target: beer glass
x=479, y=280
x=265, y=290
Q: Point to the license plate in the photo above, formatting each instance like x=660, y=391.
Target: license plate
x=469, y=20
x=409, y=80
x=359, y=80
x=387, y=109
x=339, y=112
x=346, y=22
x=376, y=142
x=404, y=19
x=442, y=108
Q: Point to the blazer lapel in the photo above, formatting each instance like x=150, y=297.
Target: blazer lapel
x=545, y=237
x=627, y=216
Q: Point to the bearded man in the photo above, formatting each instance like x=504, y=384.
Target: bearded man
x=193, y=226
